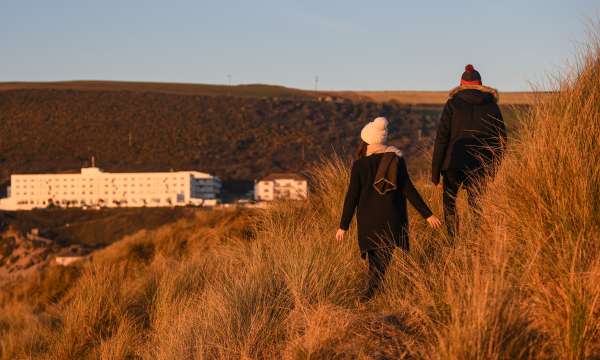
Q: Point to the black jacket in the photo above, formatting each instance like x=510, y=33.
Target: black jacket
x=471, y=133
x=382, y=219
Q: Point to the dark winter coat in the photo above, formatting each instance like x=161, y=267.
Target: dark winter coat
x=471, y=133
x=382, y=219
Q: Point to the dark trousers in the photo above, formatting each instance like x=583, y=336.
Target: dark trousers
x=453, y=181
x=379, y=260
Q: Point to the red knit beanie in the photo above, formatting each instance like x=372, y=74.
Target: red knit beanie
x=470, y=76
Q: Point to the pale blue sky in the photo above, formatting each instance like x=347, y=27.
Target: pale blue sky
x=412, y=45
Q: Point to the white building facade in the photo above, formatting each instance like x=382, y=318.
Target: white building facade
x=94, y=188
x=285, y=186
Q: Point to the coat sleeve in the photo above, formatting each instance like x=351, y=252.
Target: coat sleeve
x=411, y=193
x=352, y=196
x=441, y=143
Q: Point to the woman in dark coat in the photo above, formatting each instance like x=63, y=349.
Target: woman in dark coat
x=379, y=188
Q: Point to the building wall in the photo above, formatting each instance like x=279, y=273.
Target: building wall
x=92, y=187
x=289, y=189
x=264, y=190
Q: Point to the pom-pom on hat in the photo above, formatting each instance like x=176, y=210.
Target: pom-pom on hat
x=470, y=76
x=375, y=132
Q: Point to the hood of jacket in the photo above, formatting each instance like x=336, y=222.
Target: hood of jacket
x=475, y=94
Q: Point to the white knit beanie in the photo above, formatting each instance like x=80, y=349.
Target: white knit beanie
x=375, y=132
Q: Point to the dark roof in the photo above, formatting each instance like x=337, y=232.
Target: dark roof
x=278, y=176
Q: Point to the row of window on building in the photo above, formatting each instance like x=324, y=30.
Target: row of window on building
x=17, y=193
x=100, y=202
x=112, y=179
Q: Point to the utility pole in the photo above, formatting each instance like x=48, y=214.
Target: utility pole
x=316, y=83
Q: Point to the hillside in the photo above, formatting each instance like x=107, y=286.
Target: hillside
x=236, y=138
x=239, y=133
x=58, y=230
x=91, y=228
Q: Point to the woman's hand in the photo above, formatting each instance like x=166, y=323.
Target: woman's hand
x=434, y=222
x=339, y=235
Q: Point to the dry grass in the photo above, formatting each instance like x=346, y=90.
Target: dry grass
x=522, y=281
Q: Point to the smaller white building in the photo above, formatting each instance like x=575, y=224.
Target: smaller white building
x=281, y=186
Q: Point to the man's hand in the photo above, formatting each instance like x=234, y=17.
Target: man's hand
x=339, y=235
x=434, y=222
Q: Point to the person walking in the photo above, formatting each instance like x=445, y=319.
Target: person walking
x=379, y=187
x=469, y=143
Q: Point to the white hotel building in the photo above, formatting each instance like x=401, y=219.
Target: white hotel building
x=285, y=186
x=94, y=188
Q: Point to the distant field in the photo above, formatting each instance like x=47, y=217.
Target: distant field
x=259, y=90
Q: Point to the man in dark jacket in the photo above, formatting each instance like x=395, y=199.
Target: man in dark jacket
x=469, y=142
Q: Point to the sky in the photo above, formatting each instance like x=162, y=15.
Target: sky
x=349, y=45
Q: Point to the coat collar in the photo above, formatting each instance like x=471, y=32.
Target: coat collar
x=482, y=88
